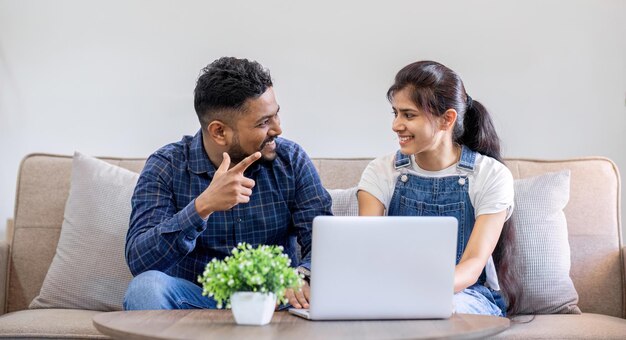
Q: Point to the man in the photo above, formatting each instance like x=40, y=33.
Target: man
x=234, y=181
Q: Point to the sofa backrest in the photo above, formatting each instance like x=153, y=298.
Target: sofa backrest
x=593, y=216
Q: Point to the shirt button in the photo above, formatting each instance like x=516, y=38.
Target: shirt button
x=238, y=220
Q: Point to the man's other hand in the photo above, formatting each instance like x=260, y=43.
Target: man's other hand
x=299, y=298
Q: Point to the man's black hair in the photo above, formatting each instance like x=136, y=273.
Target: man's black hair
x=224, y=86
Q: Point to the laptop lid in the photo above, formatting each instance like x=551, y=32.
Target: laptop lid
x=382, y=267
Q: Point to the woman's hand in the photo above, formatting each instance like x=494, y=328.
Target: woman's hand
x=480, y=246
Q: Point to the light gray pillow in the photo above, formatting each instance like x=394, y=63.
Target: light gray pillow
x=89, y=270
x=541, y=255
x=345, y=202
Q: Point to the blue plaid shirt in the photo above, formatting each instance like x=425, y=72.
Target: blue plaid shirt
x=167, y=234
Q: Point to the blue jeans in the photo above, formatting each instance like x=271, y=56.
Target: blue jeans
x=156, y=290
x=478, y=299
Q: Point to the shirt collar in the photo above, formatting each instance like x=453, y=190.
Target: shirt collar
x=199, y=161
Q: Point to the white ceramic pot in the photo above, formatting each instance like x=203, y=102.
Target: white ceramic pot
x=253, y=308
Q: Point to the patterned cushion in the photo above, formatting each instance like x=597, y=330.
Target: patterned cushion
x=541, y=254
x=344, y=202
x=89, y=270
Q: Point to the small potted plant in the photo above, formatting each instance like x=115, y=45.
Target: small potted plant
x=250, y=281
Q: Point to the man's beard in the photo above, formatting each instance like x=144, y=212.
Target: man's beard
x=237, y=154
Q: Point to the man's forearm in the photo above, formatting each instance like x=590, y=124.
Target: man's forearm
x=158, y=247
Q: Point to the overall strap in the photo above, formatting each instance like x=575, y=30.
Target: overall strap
x=402, y=161
x=468, y=158
x=467, y=161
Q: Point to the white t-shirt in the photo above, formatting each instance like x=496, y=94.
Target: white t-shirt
x=490, y=188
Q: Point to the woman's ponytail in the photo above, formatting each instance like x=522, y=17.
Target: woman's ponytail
x=479, y=134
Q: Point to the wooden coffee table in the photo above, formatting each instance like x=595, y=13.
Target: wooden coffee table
x=219, y=324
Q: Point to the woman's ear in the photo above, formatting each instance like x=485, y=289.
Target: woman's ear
x=218, y=132
x=448, y=119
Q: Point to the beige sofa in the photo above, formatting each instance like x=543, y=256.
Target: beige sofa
x=592, y=213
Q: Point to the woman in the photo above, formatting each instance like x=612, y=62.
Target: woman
x=448, y=164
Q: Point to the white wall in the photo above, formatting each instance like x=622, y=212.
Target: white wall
x=116, y=77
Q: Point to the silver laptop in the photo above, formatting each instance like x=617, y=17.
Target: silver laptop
x=381, y=268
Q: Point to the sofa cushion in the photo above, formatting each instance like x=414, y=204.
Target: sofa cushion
x=541, y=254
x=49, y=324
x=89, y=270
x=345, y=202
x=583, y=326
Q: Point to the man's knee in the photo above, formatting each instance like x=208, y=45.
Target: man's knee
x=148, y=290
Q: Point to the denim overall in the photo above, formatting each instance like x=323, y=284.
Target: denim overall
x=446, y=196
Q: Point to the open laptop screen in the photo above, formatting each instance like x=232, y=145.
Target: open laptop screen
x=382, y=267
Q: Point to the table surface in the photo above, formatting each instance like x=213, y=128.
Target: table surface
x=220, y=324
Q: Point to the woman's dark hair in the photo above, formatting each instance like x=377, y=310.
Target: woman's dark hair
x=435, y=89
x=224, y=86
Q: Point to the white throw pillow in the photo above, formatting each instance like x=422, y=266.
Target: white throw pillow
x=541, y=255
x=89, y=269
x=345, y=202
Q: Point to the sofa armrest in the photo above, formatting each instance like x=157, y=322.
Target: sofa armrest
x=9, y=230
x=4, y=273
x=624, y=281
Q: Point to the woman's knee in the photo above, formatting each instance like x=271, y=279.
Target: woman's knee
x=470, y=301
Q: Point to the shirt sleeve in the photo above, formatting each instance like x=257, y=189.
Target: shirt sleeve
x=158, y=236
x=494, y=189
x=310, y=200
x=378, y=179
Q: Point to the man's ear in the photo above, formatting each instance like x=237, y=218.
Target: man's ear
x=218, y=132
x=448, y=119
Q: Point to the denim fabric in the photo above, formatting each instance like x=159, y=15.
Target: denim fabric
x=478, y=299
x=156, y=290
x=445, y=196
x=167, y=234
